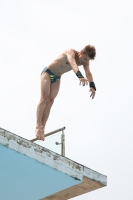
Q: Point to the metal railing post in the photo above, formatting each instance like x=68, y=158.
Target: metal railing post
x=63, y=143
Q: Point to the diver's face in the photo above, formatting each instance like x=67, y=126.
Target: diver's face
x=83, y=57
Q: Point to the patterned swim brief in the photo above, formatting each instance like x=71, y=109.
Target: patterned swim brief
x=53, y=77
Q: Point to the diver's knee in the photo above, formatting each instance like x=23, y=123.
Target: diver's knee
x=51, y=100
x=44, y=98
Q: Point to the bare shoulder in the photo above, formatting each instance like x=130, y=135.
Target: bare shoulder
x=64, y=53
x=67, y=52
x=70, y=51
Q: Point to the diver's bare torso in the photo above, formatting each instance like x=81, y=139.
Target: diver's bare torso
x=61, y=65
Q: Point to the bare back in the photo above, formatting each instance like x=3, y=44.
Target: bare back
x=61, y=65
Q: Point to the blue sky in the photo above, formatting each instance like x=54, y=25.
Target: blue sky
x=98, y=132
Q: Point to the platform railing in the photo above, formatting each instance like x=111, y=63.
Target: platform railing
x=57, y=143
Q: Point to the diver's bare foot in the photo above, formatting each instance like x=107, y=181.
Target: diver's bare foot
x=40, y=133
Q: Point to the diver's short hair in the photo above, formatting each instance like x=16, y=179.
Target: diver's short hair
x=90, y=50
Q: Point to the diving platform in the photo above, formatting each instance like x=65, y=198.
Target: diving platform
x=29, y=171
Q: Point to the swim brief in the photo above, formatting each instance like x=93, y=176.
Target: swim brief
x=53, y=77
